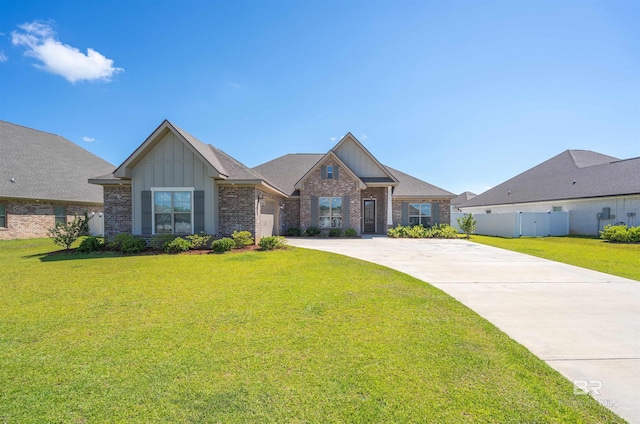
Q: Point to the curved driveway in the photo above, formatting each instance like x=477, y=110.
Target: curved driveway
x=583, y=323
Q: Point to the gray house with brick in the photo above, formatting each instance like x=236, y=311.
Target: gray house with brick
x=174, y=183
x=44, y=181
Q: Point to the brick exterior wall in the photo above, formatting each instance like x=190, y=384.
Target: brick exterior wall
x=238, y=210
x=345, y=185
x=31, y=219
x=445, y=215
x=291, y=214
x=118, y=215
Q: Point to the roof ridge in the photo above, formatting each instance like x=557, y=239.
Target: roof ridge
x=32, y=129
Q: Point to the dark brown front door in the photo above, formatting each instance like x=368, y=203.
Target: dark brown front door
x=369, y=216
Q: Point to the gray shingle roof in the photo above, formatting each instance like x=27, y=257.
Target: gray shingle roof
x=47, y=166
x=284, y=172
x=463, y=198
x=413, y=187
x=287, y=170
x=573, y=174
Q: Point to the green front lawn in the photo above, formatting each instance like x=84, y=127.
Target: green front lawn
x=597, y=254
x=284, y=336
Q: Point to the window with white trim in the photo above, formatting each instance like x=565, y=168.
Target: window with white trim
x=330, y=212
x=173, y=212
x=420, y=214
x=3, y=216
x=60, y=215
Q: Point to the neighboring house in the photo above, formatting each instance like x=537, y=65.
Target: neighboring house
x=461, y=200
x=44, y=181
x=595, y=189
x=174, y=183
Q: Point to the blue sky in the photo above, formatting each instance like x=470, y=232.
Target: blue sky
x=462, y=94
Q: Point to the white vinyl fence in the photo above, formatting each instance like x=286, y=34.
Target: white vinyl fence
x=517, y=224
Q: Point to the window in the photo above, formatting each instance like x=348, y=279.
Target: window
x=60, y=215
x=487, y=211
x=330, y=213
x=420, y=214
x=330, y=172
x=172, y=212
x=557, y=208
x=3, y=216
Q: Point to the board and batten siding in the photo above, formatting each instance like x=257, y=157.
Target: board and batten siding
x=358, y=161
x=172, y=163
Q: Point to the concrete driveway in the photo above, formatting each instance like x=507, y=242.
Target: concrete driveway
x=585, y=324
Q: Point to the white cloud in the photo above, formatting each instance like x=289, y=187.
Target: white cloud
x=88, y=139
x=3, y=57
x=333, y=138
x=40, y=42
x=363, y=136
x=234, y=84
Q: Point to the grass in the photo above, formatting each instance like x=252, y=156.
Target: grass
x=286, y=336
x=617, y=259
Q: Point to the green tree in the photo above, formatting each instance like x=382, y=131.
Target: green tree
x=65, y=234
x=467, y=224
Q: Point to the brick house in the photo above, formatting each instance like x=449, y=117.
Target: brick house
x=44, y=181
x=174, y=183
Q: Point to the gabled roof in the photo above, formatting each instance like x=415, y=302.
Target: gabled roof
x=343, y=166
x=384, y=177
x=201, y=150
x=39, y=165
x=284, y=172
x=222, y=167
x=573, y=174
x=462, y=198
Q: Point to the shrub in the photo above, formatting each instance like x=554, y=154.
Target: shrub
x=621, y=234
x=467, y=224
x=272, y=242
x=445, y=231
x=222, y=245
x=242, y=239
x=294, y=231
x=178, y=245
x=126, y=243
x=160, y=241
x=312, y=232
x=91, y=244
x=200, y=241
x=418, y=231
x=350, y=232
x=335, y=232
x=65, y=234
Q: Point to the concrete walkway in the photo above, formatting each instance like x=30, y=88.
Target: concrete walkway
x=585, y=324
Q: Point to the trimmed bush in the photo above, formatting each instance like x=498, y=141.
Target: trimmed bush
x=350, y=232
x=161, y=241
x=223, y=245
x=335, y=232
x=178, y=245
x=272, y=242
x=418, y=231
x=242, y=239
x=126, y=243
x=312, y=232
x=621, y=234
x=294, y=231
x=200, y=241
x=91, y=244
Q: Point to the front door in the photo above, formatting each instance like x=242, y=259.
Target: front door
x=369, y=216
